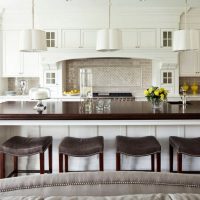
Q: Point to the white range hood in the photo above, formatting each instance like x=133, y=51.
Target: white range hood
x=58, y=55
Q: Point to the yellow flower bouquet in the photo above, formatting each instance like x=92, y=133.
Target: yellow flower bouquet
x=156, y=95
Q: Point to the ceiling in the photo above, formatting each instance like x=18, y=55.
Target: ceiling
x=134, y=3
x=157, y=3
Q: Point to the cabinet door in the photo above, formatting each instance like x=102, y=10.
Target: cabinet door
x=30, y=64
x=71, y=39
x=11, y=54
x=166, y=38
x=51, y=82
x=189, y=63
x=52, y=38
x=129, y=39
x=147, y=38
x=88, y=39
x=168, y=80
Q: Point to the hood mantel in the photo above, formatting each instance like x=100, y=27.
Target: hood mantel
x=58, y=55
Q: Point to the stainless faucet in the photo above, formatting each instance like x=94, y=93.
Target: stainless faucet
x=23, y=85
x=183, y=97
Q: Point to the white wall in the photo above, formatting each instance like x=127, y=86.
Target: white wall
x=89, y=14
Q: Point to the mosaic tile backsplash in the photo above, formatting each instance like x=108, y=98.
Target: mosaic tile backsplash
x=189, y=81
x=112, y=75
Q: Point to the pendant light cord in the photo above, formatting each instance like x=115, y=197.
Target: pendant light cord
x=109, y=14
x=186, y=5
x=33, y=5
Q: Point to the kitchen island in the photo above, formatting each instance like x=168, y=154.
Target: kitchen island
x=81, y=119
x=119, y=110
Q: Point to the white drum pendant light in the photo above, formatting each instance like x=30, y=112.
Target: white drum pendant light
x=109, y=39
x=33, y=40
x=187, y=39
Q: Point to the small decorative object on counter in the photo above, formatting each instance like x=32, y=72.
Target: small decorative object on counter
x=156, y=96
x=194, y=88
x=39, y=94
x=185, y=87
x=86, y=83
x=74, y=92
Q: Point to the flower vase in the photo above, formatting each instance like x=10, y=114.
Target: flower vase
x=156, y=104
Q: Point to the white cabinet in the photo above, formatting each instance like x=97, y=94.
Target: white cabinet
x=30, y=64
x=129, y=39
x=51, y=81
x=71, y=39
x=138, y=38
x=166, y=38
x=168, y=80
x=54, y=78
x=76, y=38
x=51, y=38
x=16, y=63
x=190, y=63
x=147, y=38
x=88, y=39
x=11, y=54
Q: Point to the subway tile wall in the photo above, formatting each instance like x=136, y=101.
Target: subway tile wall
x=14, y=84
x=112, y=75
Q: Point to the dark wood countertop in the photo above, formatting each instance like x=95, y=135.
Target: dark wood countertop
x=135, y=110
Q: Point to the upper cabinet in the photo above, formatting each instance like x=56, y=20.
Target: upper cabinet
x=138, y=38
x=16, y=63
x=52, y=38
x=11, y=54
x=76, y=38
x=190, y=63
x=166, y=38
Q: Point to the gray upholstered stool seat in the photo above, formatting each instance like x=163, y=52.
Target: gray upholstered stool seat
x=138, y=146
x=80, y=147
x=24, y=146
x=187, y=146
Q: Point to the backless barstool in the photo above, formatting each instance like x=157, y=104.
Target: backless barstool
x=80, y=147
x=18, y=146
x=138, y=146
x=187, y=146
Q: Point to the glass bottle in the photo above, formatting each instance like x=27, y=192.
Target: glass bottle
x=86, y=83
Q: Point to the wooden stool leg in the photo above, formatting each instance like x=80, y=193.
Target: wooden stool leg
x=101, y=168
x=66, y=163
x=2, y=165
x=42, y=163
x=15, y=165
x=171, y=152
x=179, y=162
x=158, y=155
x=118, y=162
x=152, y=163
x=50, y=158
x=60, y=162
